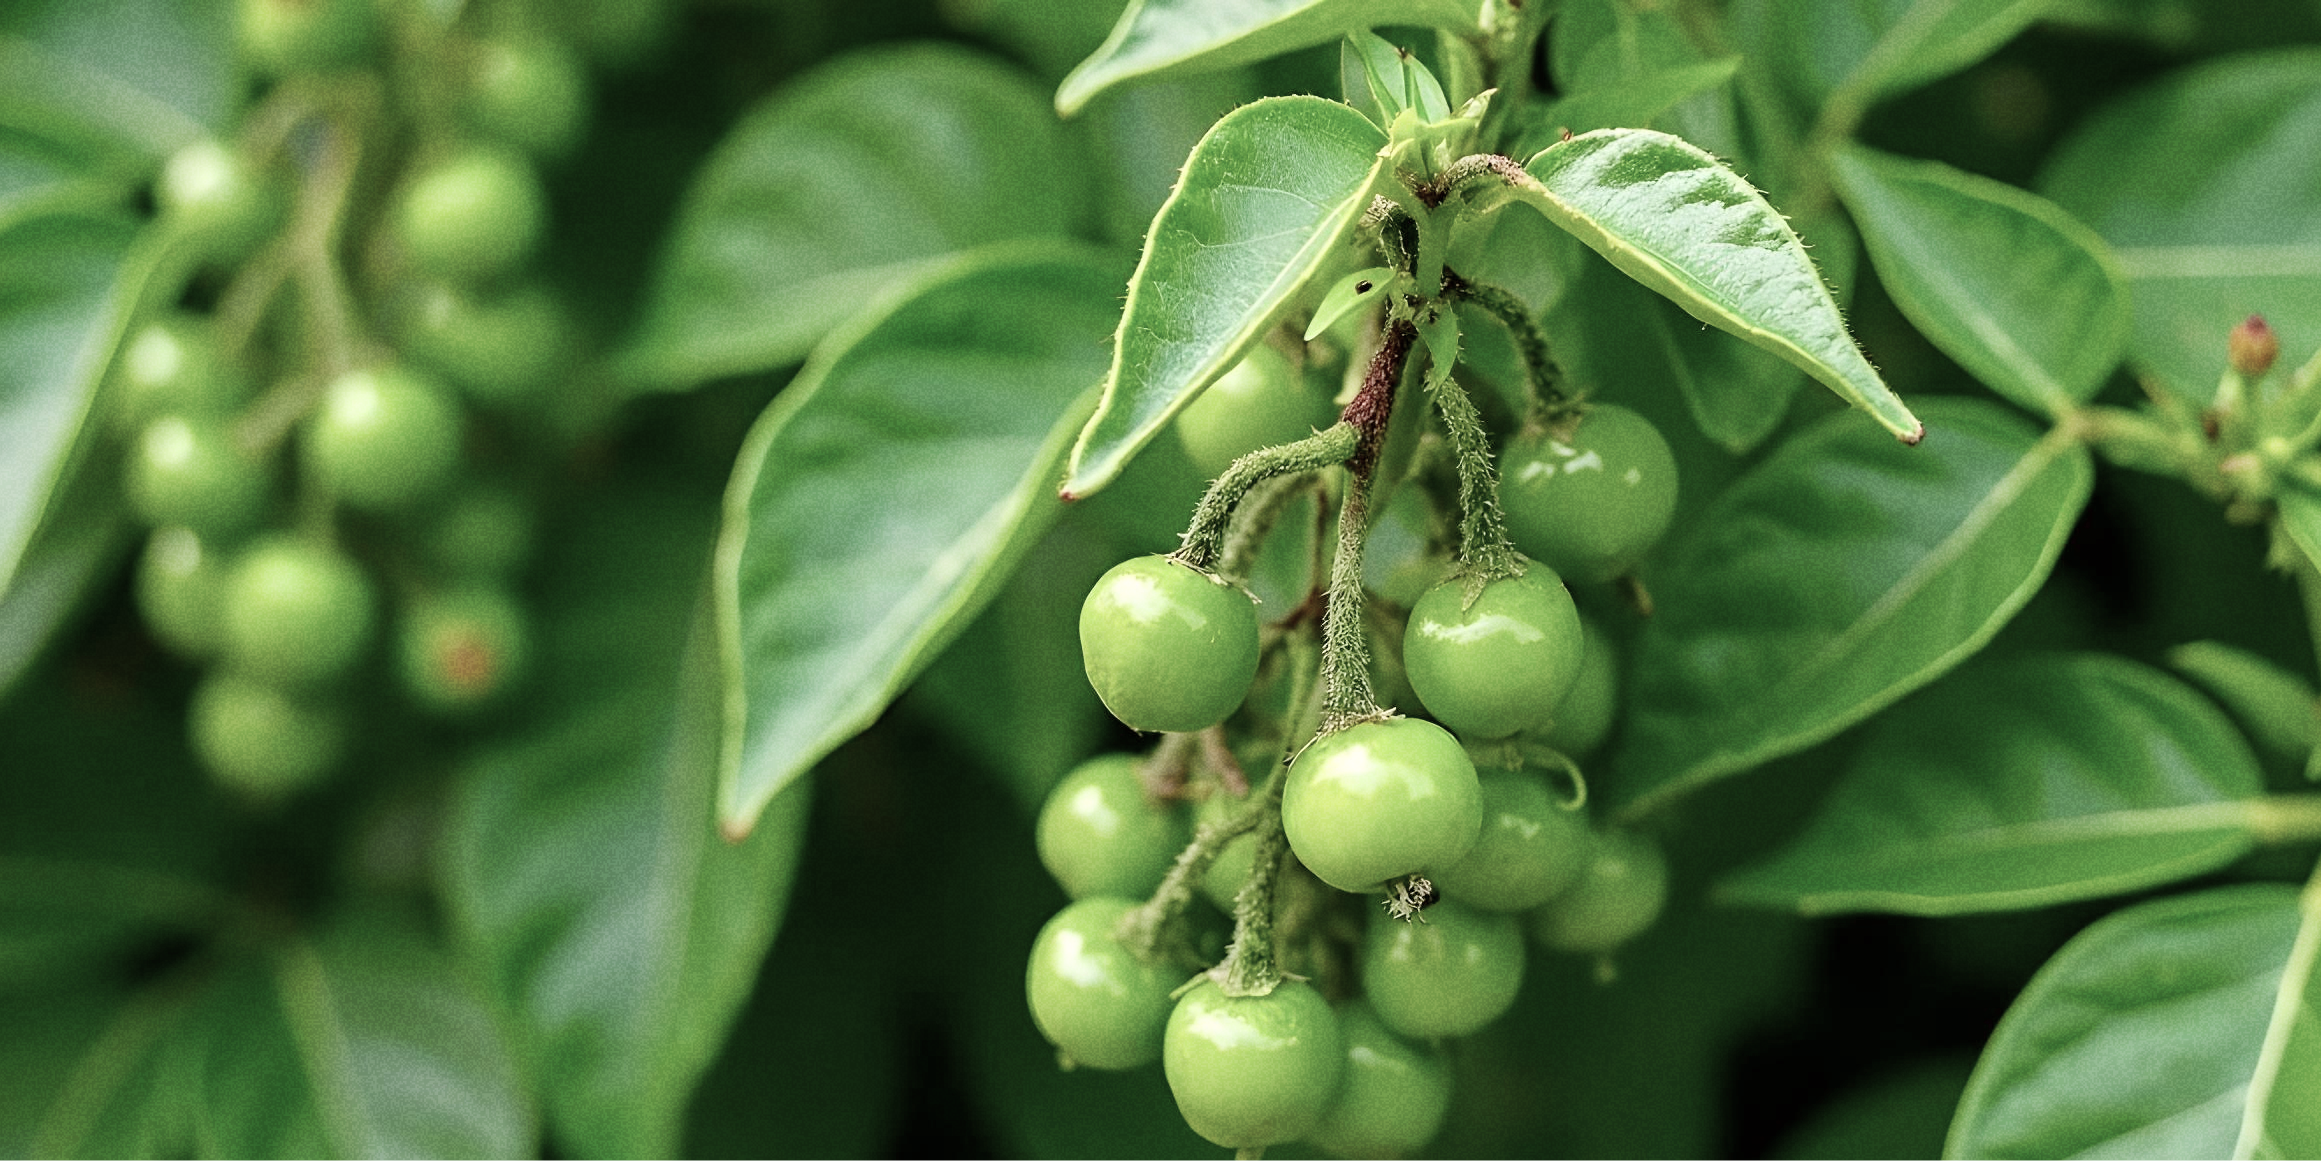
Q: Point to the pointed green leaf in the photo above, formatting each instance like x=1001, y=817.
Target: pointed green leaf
x=2024, y=297
x=1382, y=79
x=2300, y=515
x=365, y=1042
x=69, y=557
x=1838, y=575
x=1352, y=293
x=882, y=499
x=67, y=284
x=1156, y=37
x=2208, y=188
x=2181, y=1027
x=615, y=932
x=1262, y=205
x=1678, y=221
x=2277, y=707
x=2019, y=784
x=131, y=1087
x=835, y=190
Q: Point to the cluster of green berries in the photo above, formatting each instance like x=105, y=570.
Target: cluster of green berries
x=1412, y=880
x=318, y=428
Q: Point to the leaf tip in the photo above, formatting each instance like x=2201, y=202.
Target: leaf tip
x=735, y=829
x=1911, y=437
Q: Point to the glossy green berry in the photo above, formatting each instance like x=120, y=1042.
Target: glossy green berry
x=1592, y=499
x=471, y=216
x=384, y=438
x=1166, y=647
x=461, y=649
x=189, y=472
x=1093, y=999
x=531, y=93
x=1263, y=401
x=1392, y=1097
x=209, y=195
x=1584, y=718
x=1530, y=851
x=1223, y=880
x=263, y=740
x=171, y=366
x=1499, y=665
x=483, y=532
x=181, y=589
x=1252, y=1071
x=1099, y=835
x=296, y=612
x=1381, y=800
x=1449, y=974
x=1618, y=894
x=499, y=348
x=281, y=37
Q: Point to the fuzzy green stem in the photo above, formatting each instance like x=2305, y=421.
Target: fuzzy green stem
x=1253, y=521
x=1143, y=929
x=1396, y=232
x=1205, y=540
x=1346, y=695
x=1542, y=375
x=1251, y=967
x=1484, y=553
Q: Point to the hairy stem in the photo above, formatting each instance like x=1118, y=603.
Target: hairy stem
x=1543, y=377
x=1253, y=521
x=1484, y=553
x=1204, y=542
x=1345, y=670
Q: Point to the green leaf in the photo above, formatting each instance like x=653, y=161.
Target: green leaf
x=1261, y=206
x=1835, y=577
x=1634, y=103
x=2019, y=784
x=1852, y=54
x=2278, y=708
x=839, y=188
x=2163, y=1030
x=1349, y=294
x=1157, y=37
x=120, y=82
x=131, y=1088
x=616, y=933
x=2024, y=297
x=363, y=1042
x=2208, y=188
x=1383, y=79
x=1678, y=221
x=882, y=499
x=68, y=558
x=67, y=284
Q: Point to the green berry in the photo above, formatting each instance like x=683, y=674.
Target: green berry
x=297, y=613
x=1586, y=715
x=181, y=587
x=1499, y=665
x=172, y=366
x=188, y=472
x=1394, y=1094
x=209, y=195
x=1618, y=894
x=472, y=216
x=462, y=649
x=262, y=740
x=1531, y=848
x=1263, y=401
x=499, y=348
x=383, y=438
x=1379, y=801
x=1222, y=882
x=532, y=94
x=1093, y=999
x=1252, y=1071
x=484, y=532
x=1589, y=498
x=1449, y=974
x=1166, y=647
x=1099, y=835
x=281, y=37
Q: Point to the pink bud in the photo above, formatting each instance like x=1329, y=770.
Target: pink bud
x=2253, y=347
